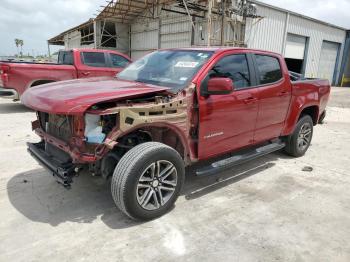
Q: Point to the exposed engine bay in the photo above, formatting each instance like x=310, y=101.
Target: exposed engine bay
x=109, y=130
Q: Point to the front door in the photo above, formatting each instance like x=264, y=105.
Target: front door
x=227, y=122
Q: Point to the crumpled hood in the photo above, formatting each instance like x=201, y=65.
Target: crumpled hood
x=76, y=96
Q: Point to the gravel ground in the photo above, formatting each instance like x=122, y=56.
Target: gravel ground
x=265, y=210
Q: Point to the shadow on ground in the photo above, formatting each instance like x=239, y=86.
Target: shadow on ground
x=40, y=198
x=13, y=107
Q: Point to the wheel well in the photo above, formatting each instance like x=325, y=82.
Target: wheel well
x=41, y=82
x=163, y=135
x=312, y=111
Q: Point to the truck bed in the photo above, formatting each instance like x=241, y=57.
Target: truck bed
x=22, y=75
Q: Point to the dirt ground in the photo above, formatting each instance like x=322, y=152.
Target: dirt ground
x=265, y=210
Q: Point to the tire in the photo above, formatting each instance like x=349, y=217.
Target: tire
x=322, y=117
x=298, y=143
x=136, y=188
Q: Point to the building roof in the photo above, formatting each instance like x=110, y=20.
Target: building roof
x=59, y=39
x=125, y=11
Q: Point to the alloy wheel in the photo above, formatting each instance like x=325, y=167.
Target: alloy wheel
x=304, y=136
x=156, y=185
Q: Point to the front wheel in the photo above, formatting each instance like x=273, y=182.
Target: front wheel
x=147, y=180
x=298, y=143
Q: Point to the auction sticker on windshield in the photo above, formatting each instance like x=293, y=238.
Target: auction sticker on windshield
x=186, y=64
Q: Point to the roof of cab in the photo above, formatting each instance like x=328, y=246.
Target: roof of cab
x=98, y=51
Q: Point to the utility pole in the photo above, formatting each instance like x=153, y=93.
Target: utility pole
x=48, y=49
x=223, y=9
x=210, y=7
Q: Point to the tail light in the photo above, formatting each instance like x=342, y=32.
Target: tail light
x=4, y=69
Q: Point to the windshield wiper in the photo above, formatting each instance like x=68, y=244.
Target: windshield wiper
x=148, y=81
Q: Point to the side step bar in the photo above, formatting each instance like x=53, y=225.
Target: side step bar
x=239, y=159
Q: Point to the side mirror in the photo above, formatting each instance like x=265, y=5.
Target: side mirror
x=220, y=86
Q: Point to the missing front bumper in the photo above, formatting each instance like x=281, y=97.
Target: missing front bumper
x=63, y=172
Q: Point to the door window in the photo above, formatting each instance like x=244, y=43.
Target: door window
x=269, y=69
x=234, y=67
x=94, y=59
x=118, y=61
x=65, y=58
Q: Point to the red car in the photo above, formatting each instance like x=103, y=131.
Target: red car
x=169, y=110
x=16, y=77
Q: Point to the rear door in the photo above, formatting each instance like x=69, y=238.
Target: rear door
x=227, y=122
x=274, y=94
x=93, y=64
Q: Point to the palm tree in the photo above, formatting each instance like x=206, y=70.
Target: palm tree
x=17, y=44
x=21, y=43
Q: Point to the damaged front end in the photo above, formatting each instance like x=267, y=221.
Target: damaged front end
x=62, y=149
x=106, y=131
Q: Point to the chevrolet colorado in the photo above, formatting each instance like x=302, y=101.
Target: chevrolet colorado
x=16, y=77
x=170, y=109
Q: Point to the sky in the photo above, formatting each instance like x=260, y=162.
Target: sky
x=35, y=21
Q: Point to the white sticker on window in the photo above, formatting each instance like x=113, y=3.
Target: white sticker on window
x=183, y=78
x=203, y=55
x=186, y=64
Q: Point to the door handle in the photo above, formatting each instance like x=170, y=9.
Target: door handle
x=86, y=73
x=250, y=100
x=283, y=93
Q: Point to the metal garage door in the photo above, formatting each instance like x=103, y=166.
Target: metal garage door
x=295, y=47
x=328, y=60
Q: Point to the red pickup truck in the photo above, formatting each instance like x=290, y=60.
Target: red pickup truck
x=169, y=110
x=16, y=77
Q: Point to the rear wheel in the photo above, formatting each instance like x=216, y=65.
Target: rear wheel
x=298, y=143
x=147, y=180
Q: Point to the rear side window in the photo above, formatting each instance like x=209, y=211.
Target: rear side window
x=234, y=67
x=119, y=61
x=65, y=58
x=94, y=59
x=269, y=69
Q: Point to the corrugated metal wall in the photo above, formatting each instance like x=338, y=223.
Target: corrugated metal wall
x=201, y=33
x=144, y=37
x=123, y=39
x=175, y=31
x=72, y=40
x=270, y=34
x=317, y=33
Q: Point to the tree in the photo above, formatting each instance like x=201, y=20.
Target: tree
x=19, y=43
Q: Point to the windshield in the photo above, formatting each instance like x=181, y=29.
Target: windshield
x=169, y=68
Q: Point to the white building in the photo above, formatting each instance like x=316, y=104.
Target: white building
x=311, y=47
